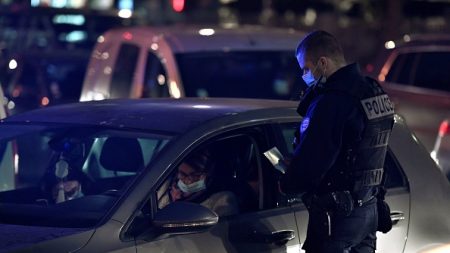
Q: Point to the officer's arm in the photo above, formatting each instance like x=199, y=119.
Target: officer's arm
x=319, y=145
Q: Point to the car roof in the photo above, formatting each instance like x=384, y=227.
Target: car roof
x=186, y=38
x=426, y=39
x=422, y=41
x=160, y=114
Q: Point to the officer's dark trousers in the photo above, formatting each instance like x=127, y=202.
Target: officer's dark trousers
x=355, y=233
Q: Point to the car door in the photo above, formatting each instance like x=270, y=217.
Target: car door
x=398, y=198
x=397, y=195
x=263, y=223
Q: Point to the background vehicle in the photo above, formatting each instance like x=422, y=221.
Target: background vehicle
x=417, y=77
x=45, y=28
x=38, y=78
x=178, y=61
x=441, y=150
x=3, y=108
x=119, y=211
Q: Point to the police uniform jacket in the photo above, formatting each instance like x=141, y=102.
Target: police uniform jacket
x=333, y=122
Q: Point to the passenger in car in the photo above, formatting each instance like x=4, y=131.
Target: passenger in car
x=65, y=180
x=193, y=182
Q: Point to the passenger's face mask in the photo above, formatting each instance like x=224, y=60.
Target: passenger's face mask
x=193, y=187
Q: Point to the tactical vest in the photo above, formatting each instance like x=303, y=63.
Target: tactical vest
x=364, y=160
x=367, y=158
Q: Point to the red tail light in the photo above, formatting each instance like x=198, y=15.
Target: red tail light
x=178, y=5
x=127, y=36
x=444, y=129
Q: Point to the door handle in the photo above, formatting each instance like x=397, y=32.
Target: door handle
x=396, y=217
x=279, y=238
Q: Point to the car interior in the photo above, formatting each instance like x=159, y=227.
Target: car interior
x=119, y=155
x=233, y=168
x=103, y=166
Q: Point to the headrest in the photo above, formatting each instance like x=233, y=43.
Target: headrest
x=121, y=154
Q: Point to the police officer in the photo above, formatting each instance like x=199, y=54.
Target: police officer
x=338, y=160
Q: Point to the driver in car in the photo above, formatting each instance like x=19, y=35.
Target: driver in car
x=193, y=183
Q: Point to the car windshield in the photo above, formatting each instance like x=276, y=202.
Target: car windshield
x=252, y=74
x=68, y=176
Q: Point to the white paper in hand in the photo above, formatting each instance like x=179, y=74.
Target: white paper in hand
x=276, y=158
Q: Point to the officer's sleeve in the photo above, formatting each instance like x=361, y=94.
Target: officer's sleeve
x=321, y=134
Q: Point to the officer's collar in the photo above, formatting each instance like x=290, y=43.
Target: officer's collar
x=339, y=80
x=344, y=73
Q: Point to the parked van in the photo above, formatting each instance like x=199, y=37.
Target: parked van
x=178, y=61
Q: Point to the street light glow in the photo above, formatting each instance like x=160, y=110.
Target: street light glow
x=12, y=64
x=206, y=32
x=389, y=44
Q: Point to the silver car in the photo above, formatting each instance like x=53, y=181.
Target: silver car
x=123, y=153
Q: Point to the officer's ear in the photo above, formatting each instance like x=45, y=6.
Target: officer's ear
x=323, y=62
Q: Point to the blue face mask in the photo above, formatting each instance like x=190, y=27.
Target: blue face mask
x=191, y=188
x=309, y=78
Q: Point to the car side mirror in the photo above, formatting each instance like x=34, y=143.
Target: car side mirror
x=184, y=218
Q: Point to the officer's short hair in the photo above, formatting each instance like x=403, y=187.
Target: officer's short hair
x=320, y=43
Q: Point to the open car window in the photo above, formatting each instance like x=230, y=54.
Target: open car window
x=233, y=182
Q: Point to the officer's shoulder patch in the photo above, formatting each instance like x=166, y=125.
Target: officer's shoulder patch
x=304, y=125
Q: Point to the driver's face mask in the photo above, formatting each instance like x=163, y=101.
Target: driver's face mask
x=193, y=187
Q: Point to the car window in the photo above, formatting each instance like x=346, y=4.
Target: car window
x=155, y=80
x=232, y=167
x=68, y=176
x=267, y=74
x=402, y=69
x=103, y=160
x=421, y=69
x=124, y=68
x=432, y=71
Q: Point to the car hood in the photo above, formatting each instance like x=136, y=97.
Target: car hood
x=16, y=237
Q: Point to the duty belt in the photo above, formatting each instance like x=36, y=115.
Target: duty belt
x=329, y=201
x=360, y=202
